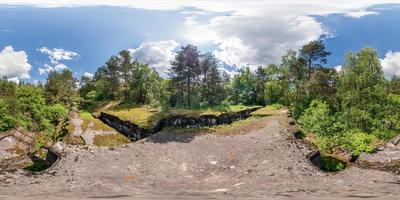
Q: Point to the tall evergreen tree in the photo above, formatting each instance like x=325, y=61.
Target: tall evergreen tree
x=185, y=71
x=60, y=87
x=314, y=55
x=261, y=78
x=125, y=62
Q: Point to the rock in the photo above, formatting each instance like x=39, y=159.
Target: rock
x=58, y=148
x=387, y=160
x=15, y=146
x=342, y=154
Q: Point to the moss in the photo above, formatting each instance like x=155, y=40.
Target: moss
x=108, y=140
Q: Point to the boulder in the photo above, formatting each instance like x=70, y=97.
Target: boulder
x=387, y=160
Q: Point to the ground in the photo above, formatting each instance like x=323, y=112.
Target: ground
x=266, y=161
x=87, y=130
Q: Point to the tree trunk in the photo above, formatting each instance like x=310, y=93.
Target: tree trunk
x=189, y=92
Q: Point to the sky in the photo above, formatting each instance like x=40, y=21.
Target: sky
x=39, y=36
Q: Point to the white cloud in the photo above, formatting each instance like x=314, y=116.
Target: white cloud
x=15, y=80
x=264, y=29
x=391, y=64
x=48, y=68
x=55, y=56
x=87, y=74
x=360, y=13
x=14, y=64
x=338, y=68
x=157, y=54
x=58, y=54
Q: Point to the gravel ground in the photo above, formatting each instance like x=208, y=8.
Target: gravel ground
x=266, y=162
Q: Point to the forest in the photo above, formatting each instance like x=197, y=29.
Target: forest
x=355, y=108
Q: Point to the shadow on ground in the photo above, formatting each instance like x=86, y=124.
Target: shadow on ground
x=168, y=136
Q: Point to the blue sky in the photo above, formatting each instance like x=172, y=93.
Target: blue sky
x=39, y=36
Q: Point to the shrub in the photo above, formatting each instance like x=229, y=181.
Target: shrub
x=55, y=113
x=358, y=141
x=317, y=119
x=6, y=120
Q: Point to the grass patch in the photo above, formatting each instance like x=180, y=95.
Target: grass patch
x=142, y=116
x=108, y=140
x=237, y=127
x=267, y=110
x=210, y=111
x=89, y=122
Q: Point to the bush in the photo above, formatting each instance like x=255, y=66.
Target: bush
x=358, y=141
x=55, y=113
x=317, y=119
x=6, y=120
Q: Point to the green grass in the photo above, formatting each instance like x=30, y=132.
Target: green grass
x=141, y=116
x=144, y=116
x=110, y=140
x=267, y=110
x=88, y=120
x=213, y=111
x=237, y=127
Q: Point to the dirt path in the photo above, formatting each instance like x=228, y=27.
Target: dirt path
x=265, y=162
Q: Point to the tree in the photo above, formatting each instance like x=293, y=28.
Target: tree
x=145, y=84
x=211, y=88
x=322, y=85
x=361, y=91
x=87, y=87
x=295, y=69
x=276, y=85
x=394, y=84
x=126, y=65
x=314, y=55
x=185, y=71
x=361, y=80
x=243, y=87
x=60, y=87
x=261, y=78
x=112, y=77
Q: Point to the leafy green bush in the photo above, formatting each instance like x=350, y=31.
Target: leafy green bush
x=7, y=121
x=317, y=119
x=358, y=141
x=332, y=165
x=55, y=113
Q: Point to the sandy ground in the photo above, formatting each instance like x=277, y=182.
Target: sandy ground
x=265, y=163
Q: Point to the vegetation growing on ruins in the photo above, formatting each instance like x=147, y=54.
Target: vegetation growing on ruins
x=353, y=109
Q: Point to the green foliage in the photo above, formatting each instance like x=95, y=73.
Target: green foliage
x=317, y=119
x=243, y=87
x=24, y=105
x=7, y=120
x=332, y=165
x=55, y=113
x=60, y=88
x=357, y=141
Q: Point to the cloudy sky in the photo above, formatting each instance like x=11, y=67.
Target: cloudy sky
x=38, y=36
